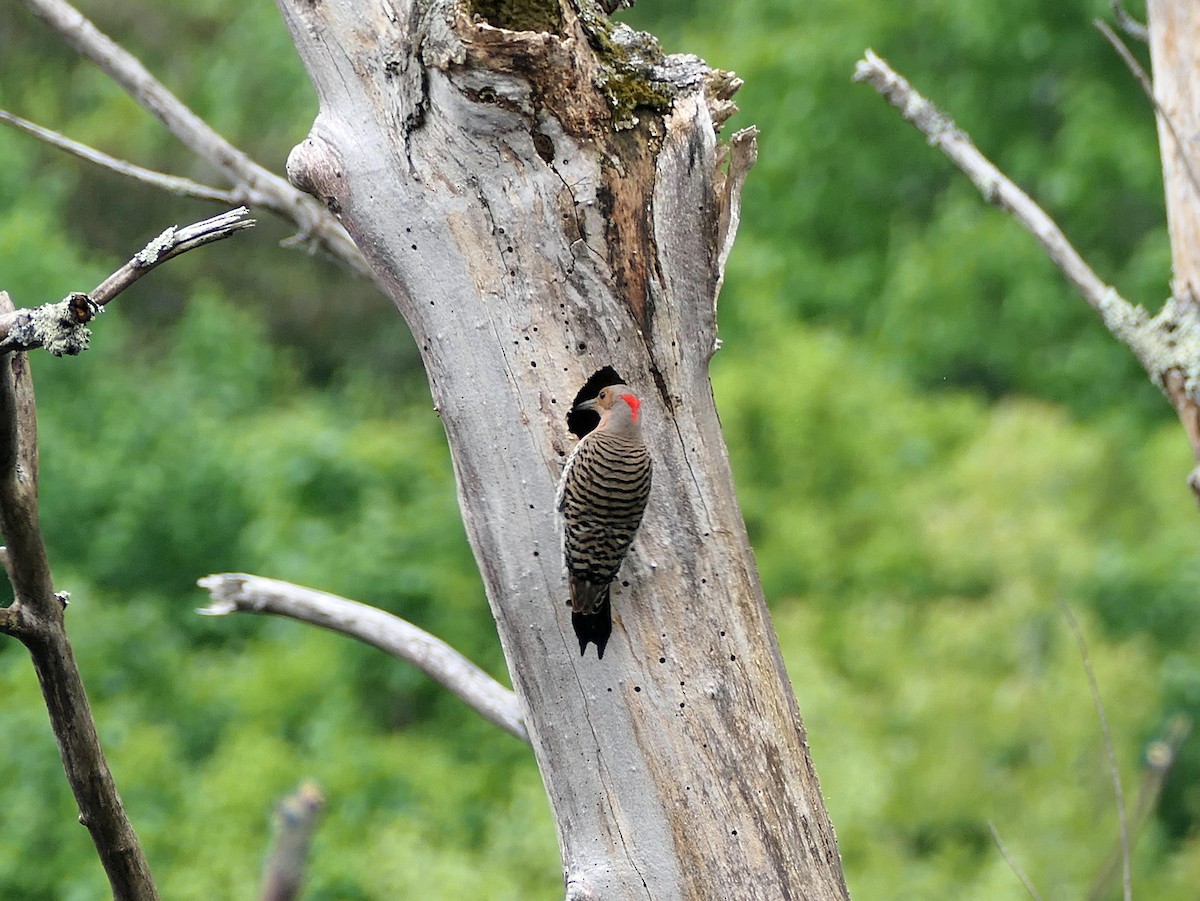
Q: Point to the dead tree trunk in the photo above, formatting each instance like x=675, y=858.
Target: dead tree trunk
x=1174, y=33
x=542, y=194
x=1174, y=29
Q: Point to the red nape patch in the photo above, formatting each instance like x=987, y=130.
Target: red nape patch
x=633, y=402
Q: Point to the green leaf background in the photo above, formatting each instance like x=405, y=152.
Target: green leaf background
x=935, y=445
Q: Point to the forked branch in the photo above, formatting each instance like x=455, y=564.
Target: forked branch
x=254, y=185
x=1167, y=344
x=61, y=328
x=35, y=617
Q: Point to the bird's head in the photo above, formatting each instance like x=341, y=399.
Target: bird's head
x=618, y=406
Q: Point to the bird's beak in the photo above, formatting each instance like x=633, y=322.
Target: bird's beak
x=586, y=405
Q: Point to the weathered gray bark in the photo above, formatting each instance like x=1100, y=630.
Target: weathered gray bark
x=540, y=203
x=1174, y=27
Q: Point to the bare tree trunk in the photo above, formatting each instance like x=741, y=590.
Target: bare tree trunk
x=540, y=202
x=1174, y=27
x=1174, y=50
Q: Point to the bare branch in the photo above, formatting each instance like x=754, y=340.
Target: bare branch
x=1012, y=864
x=170, y=244
x=61, y=328
x=1148, y=89
x=1166, y=344
x=1128, y=23
x=173, y=184
x=1114, y=772
x=296, y=819
x=255, y=185
x=41, y=629
x=238, y=592
x=992, y=183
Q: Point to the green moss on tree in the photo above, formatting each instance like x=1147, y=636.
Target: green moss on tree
x=519, y=15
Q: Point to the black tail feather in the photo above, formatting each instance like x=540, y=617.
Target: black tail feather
x=594, y=628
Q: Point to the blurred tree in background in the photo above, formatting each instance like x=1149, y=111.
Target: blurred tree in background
x=934, y=444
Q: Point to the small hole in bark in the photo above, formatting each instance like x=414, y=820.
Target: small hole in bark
x=733, y=656
x=637, y=688
x=414, y=247
x=582, y=346
x=544, y=147
x=535, y=553
x=662, y=659
x=533, y=363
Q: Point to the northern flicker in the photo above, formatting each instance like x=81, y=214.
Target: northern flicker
x=601, y=497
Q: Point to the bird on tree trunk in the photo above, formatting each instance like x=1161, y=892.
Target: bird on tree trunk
x=602, y=495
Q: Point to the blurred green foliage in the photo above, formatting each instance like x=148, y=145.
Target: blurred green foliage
x=934, y=445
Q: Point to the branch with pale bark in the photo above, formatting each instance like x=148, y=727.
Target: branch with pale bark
x=172, y=184
x=295, y=820
x=253, y=184
x=238, y=592
x=1167, y=344
x=62, y=328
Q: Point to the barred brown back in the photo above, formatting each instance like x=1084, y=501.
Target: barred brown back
x=602, y=498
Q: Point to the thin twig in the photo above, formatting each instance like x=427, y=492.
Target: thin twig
x=61, y=328
x=1161, y=756
x=256, y=186
x=1012, y=863
x=238, y=592
x=173, y=184
x=1148, y=89
x=170, y=244
x=1128, y=23
x=1122, y=821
